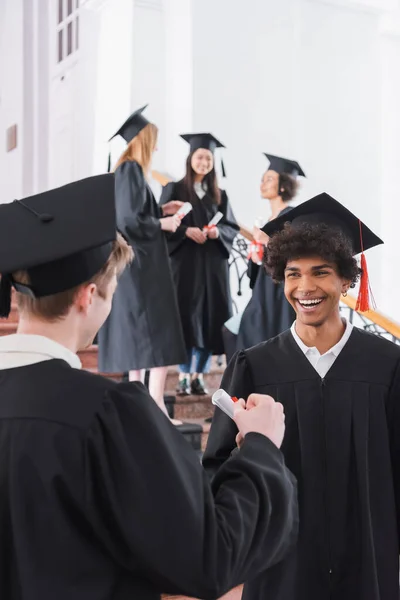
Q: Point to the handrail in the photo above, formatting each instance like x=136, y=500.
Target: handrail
x=375, y=316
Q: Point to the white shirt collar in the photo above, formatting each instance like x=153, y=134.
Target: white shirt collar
x=335, y=350
x=20, y=350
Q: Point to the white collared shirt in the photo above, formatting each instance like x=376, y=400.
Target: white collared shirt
x=323, y=362
x=21, y=350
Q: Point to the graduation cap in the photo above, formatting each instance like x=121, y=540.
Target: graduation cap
x=284, y=165
x=206, y=141
x=61, y=238
x=325, y=209
x=130, y=129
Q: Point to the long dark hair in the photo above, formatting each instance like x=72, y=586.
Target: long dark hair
x=209, y=183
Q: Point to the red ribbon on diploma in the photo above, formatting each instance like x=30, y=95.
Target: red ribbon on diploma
x=258, y=248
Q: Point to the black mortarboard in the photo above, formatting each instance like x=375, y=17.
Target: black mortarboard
x=61, y=237
x=206, y=141
x=325, y=209
x=202, y=140
x=284, y=165
x=132, y=126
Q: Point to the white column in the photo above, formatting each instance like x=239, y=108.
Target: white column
x=179, y=77
x=11, y=97
x=148, y=68
x=112, y=77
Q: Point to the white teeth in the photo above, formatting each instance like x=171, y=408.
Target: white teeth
x=311, y=302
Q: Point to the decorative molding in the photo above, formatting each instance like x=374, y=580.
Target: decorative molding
x=150, y=4
x=374, y=6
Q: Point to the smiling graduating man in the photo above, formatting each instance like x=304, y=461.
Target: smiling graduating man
x=340, y=388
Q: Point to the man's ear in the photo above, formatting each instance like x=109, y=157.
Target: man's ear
x=84, y=297
x=345, y=287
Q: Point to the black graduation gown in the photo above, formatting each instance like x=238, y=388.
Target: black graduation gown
x=268, y=313
x=101, y=498
x=201, y=272
x=337, y=443
x=143, y=329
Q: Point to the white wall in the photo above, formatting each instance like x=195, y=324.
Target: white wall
x=390, y=165
x=11, y=96
x=302, y=79
x=313, y=80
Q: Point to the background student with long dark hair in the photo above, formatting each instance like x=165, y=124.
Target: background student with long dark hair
x=199, y=260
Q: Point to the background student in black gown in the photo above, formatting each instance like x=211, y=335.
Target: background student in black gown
x=340, y=387
x=268, y=313
x=200, y=260
x=100, y=496
x=143, y=330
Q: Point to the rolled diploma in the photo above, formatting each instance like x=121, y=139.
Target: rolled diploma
x=184, y=210
x=216, y=219
x=224, y=401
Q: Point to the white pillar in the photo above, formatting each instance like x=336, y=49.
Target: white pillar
x=11, y=97
x=148, y=68
x=113, y=69
x=179, y=76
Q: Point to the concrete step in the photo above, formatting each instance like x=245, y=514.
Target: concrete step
x=205, y=430
x=193, y=407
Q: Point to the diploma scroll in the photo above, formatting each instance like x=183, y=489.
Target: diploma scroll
x=257, y=247
x=184, y=210
x=225, y=402
x=214, y=221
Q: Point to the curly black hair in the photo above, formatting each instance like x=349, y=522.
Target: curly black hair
x=289, y=185
x=307, y=240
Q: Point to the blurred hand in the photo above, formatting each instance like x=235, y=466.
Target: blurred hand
x=260, y=236
x=255, y=257
x=261, y=415
x=170, y=223
x=196, y=234
x=239, y=440
x=212, y=233
x=171, y=208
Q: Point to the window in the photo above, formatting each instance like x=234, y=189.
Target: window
x=67, y=28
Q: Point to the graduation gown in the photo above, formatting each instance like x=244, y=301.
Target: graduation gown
x=143, y=329
x=201, y=272
x=268, y=313
x=342, y=432
x=101, y=498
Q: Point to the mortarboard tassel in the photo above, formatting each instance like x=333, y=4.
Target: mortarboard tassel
x=109, y=163
x=364, y=293
x=223, y=169
x=5, y=296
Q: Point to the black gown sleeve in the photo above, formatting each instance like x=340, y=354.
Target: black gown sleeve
x=134, y=219
x=237, y=381
x=153, y=509
x=228, y=227
x=393, y=413
x=175, y=239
